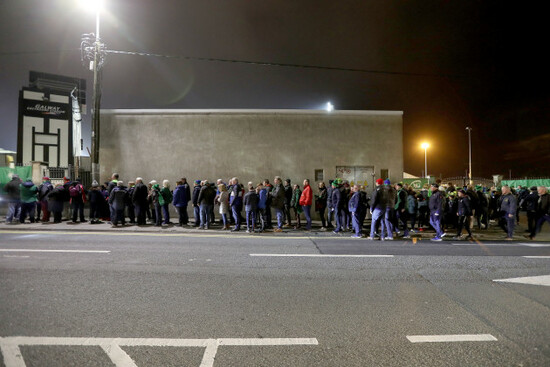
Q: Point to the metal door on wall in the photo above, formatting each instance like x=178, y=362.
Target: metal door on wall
x=360, y=175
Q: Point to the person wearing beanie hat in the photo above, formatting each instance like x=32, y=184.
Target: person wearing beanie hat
x=43, y=191
x=387, y=181
x=95, y=197
x=378, y=210
x=78, y=198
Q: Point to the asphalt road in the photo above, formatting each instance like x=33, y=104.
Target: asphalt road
x=200, y=300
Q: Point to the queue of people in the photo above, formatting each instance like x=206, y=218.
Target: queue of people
x=396, y=209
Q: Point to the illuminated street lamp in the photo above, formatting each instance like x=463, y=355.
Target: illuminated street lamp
x=329, y=107
x=425, y=146
x=93, y=50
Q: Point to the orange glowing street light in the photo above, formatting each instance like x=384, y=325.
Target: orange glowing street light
x=425, y=146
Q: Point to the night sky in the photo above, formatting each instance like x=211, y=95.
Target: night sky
x=446, y=64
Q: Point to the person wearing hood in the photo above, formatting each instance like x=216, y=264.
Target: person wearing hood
x=43, y=191
x=29, y=196
x=14, y=199
x=182, y=195
x=139, y=199
x=164, y=200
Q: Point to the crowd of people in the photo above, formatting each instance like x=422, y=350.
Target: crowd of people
x=396, y=209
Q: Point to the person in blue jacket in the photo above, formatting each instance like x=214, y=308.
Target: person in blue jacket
x=195, y=199
x=356, y=208
x=262, y=199
x=182, y=195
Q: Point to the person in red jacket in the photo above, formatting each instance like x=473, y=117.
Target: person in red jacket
x=305, y=203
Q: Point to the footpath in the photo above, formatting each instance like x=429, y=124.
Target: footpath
x=493, y=233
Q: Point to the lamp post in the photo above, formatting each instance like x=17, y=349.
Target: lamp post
x=93, y=50
x=469, y=154
x=425, y=146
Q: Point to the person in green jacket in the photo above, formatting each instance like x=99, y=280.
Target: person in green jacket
x=165, y=198
x=294, y=204
x=29, y=197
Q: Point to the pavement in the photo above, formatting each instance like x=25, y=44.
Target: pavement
x=91, y=295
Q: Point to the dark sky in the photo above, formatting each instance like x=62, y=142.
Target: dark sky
x=446, y=64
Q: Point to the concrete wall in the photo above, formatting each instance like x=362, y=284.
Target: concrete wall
x=249, y=144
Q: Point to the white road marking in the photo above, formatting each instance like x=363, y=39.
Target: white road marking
x=61, y=251
x=13, y=358
x=485, y=244
x=532, y=244
x=450, y=338
x=315, y=255
x=536, y=257
x=537, y=280
x=15, y=256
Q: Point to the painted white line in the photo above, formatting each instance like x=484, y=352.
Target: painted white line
x=536, y=257
x=60, y=251
x=13, y=358
x=531, y=244
x=537, y=280
x=15, y=256
x=450, y=338
x=315, y=255
x=118, y=356
x=485, y=244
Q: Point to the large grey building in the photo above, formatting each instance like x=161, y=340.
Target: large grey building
x=252, y=144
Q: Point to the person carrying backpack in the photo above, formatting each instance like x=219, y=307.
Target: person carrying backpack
x=78, y=198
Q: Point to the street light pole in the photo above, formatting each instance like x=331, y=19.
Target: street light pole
x=469, y=154
x=425, y=146
x=97, y=47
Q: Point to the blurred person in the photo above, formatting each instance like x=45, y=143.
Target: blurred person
x=288, y=199
x=78, y=198
x=164, y=200
x=43, y=191
x=543, y=210
x=296, y=208
x=205, y=200
x=13, y=196
x=356, y=208
x=139, y=200
x=182, y=196
x=195, y=202
x=400, y=209
x=378, y=211
x=435, y=205
x=389, y=216
x=412, y=208
x=236, y=202
x=251, y=207
x=95, y=197
x=321, y=204
x=223, y=200
x=277, y=195
x=118, y=199
x=530, y=204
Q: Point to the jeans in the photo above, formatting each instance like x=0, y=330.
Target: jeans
x=197, y=214
x=377, y=217
x=206, y=211
x=307, y=213
x=330, y=216
x=250, y=219
x=225, y=219
x=158, y=214
x=263, y=218
x=355, y=222
x=435, y=221
x=166, y=213
x=236, y=210
x=280, y=217
x=14, y=211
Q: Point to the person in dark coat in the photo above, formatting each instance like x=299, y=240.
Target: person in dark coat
x=139, y=199
x=195, y=202
x=530, y=203
x=43, y=190
x=277, y=195
x=482, y=214
x=508, y=207
x=182, y=195
x=543, y=210
x=378, y=210
x=130, y=207
x=236, y=202
x=288, y=199
x=400, y=208
x=464, y=214
x=251, y=200
x=330, y=207
x=56, y=199
x=14, y=199
x=321, y=204
x=337, y=204
x=389, y=216
x=77, y=193
x=435, y=204
x=96, y=199
x=207, y=194
x=118, y=199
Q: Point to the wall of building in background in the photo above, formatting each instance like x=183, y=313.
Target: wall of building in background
x=252, y=145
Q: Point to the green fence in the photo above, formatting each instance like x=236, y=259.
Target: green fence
x=417, y=183
x=527, y=182
x=6, y=173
